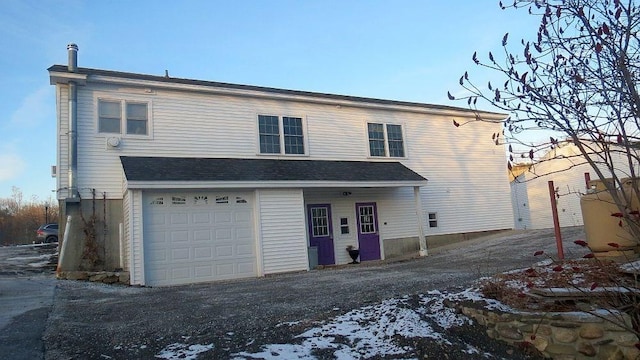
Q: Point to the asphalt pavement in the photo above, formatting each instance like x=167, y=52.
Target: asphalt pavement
x=42, y=318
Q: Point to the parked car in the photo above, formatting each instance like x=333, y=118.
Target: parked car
x=48, y=233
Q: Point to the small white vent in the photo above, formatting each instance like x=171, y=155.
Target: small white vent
x=113, y=142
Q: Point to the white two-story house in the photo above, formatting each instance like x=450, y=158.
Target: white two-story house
x=183, y=181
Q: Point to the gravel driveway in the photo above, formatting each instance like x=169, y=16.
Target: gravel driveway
x=273, y=317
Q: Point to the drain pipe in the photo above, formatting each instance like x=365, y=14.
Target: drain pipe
x=65, y=245
x=73, y=122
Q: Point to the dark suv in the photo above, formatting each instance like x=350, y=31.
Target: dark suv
x=48, y=233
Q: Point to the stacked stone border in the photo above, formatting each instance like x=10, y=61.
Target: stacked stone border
x=561, y=335
x=106, y=277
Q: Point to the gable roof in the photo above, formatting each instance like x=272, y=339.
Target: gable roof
x=61, y=73
x=266, y=172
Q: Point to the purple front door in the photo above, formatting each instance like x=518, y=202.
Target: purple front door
x=321, y=232
x=368, y=235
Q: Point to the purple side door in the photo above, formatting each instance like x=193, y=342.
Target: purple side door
x=368, y=234
x=321, y=232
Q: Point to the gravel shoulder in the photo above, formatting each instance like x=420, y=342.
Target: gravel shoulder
x=93, y=321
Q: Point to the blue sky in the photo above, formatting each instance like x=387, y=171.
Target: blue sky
x=400, y=50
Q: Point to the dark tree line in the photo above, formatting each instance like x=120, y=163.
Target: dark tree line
x=19, y=218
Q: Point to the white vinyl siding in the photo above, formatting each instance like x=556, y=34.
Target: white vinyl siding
x=468, y=185
x=468, y=182
x=520, y=204
x=126, y=230
x=534, y=189
x=283, y=231
x=62, y=180
x=136, y=251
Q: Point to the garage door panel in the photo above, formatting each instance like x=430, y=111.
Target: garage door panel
x=222, y=217
x=180, y=255
x=245, y=249
x=156, y=219
x=243, y=217
x=246, y=268
x=204, y=271
x=179, y=218
x=244, y=234
x=224, y=251
x=202, y=253
x=225, y=269
x=159, y=256
x=223, y=234
x=201, y=218
x=189, y=237
x=180, y=273
x=202, y=235
x=178, y=236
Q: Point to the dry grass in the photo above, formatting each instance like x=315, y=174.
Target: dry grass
x=513, y=288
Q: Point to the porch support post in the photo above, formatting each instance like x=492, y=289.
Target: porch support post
x=421, y=239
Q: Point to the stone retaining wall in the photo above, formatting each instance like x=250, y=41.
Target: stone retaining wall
x=563, y=336
x=107, y=277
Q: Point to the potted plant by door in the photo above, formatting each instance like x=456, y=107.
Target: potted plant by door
x=353, y=253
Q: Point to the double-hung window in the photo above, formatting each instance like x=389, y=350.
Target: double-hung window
x=114, y=116
x=385, y=140
x=281, y=135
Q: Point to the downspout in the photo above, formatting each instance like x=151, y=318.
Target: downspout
x=73, y=123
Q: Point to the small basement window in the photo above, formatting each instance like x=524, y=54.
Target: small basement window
x=433, y=220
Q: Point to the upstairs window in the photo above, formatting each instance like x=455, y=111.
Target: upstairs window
x=116, y=115
x=109, y=117
x=293, y=138
x=137, y=118
x=281, y=135
x=385, y=140
x=269, y=134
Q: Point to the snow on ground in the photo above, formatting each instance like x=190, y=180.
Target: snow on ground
x=370, y=331
x=183, y=351
x=34, y=261
x=365, y=332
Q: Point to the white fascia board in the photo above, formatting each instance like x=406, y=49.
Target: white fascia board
x=267, y=184
x=294, y=97
x=56, y=77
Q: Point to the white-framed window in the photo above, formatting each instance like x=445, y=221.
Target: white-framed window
x=433, y=220
x=386, y=140
x=281, y=135
x=124, y=117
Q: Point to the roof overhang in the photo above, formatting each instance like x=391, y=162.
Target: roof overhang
x=57, y=77
x=192, y=173
x=149, y=185
x=60, y=74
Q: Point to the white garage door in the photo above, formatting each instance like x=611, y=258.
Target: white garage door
x=198, y=236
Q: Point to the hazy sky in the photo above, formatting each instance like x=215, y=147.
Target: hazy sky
x=399, y=50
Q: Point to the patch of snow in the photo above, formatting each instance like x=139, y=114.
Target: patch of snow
x=183, y=351
x=631, y=266
x=29, y=258
x=39, y=264
x=370, y=331
x=289, y=323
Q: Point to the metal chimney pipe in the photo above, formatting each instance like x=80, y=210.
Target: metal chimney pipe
x=73, y=123
x=73, y=57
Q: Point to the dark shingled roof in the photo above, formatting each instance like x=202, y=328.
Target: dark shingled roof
x=224, y=169
x=166, y=79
